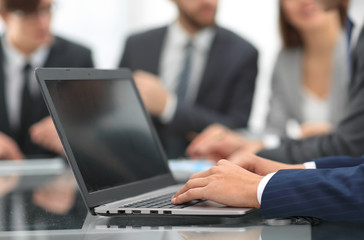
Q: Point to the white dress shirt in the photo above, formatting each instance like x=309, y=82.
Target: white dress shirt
x=14, y=63
x=172, y=61
x=314, y=109
x=356, y=15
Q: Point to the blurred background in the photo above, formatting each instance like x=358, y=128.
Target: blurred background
x=104, y=26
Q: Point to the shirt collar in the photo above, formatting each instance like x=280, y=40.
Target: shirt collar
x=356, y=14
x=17, y=59
x=201, y=40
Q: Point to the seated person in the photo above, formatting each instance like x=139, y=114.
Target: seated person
x=309, y=87
x=333, y=192
x=192, y=73
x=28, y=43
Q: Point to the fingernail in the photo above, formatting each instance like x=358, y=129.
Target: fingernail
x=173, y=200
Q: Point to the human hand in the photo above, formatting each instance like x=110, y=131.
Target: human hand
x=217, y=142
x=9, y=149
x=258, y=165
x=44, y=133
x=152, y=92
x=226, y=183
x=311, y=129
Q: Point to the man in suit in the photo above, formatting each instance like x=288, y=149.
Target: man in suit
x=329, y=188
x=194, y=73
x=26, y=44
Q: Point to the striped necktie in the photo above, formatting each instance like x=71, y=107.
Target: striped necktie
x=185, y=72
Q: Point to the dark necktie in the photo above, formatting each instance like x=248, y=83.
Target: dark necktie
x=26, y=106
x=185, y=72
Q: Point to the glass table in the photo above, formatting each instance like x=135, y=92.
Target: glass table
x=39, y=199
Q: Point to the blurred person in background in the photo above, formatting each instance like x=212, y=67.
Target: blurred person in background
x=328, y=188
x=26, y=44
x=309, y=83
x=192, y=73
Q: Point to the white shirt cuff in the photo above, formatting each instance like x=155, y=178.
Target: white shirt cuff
x=262, y=185
x=169, y=110
x=271, y=141
x=310, y=165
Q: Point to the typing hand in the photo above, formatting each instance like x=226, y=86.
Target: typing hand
x=9, y=149
x=225, y=183
x=218, y=142
x=45, y=134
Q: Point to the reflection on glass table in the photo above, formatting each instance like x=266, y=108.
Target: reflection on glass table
x=39, y=200
x=39, y=194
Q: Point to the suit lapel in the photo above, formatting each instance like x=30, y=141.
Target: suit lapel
x=4, y=121
x=51, y=60
x=355, y=55
x=156, y=51
x=212, y=64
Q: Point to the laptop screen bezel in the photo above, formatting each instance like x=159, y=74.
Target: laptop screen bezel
x=97, y=198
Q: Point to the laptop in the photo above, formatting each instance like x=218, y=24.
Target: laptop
x=111, y=145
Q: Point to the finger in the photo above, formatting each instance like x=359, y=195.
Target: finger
x=213, y=156
x=191, y=194
x=202, y=174
x=210, y=149
x=191, y=184
x=204, y=148
x=207, y=135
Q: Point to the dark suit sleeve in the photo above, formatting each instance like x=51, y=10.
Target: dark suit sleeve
x=338, y=162
x=237, y=103
x=142, y=51
x=328, y=194
x=347, y=139
x=65, y=53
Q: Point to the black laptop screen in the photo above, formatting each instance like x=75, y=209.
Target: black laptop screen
x=107, y=130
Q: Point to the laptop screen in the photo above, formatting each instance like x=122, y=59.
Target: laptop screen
x=108, y=132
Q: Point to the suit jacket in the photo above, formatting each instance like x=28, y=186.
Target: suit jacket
x=334, y=192
x=227, y=87
x=347, y=138
x=62, y=54
x=288, y=95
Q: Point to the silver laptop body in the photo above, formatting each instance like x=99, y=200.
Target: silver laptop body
x=111, y=145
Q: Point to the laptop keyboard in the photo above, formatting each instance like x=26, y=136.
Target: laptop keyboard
x=163, y=201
